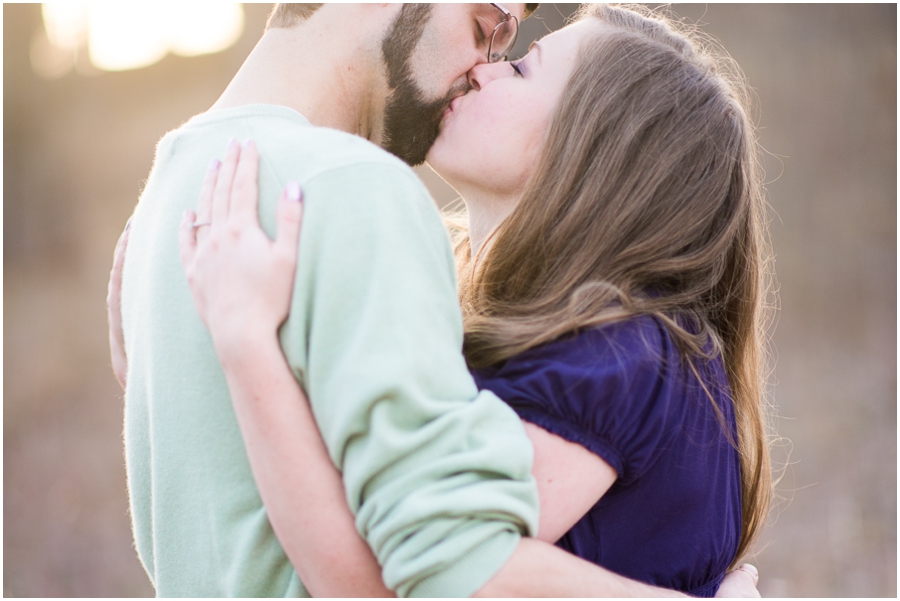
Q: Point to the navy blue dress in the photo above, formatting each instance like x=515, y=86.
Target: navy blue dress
x=623, y=391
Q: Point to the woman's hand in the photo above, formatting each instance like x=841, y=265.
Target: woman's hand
x=114, y=310
x=240, y=279
x=741, y=582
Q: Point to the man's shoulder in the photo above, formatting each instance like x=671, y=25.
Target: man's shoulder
x=342, y=169
x=289, y=143
x=320, y=149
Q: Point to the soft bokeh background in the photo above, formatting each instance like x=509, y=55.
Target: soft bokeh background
x=78, y=143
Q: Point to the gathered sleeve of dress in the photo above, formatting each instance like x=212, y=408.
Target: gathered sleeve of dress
x=609, y=390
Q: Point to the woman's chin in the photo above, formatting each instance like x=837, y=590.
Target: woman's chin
x=435, y=160
x=441, y=173
x=447, y=160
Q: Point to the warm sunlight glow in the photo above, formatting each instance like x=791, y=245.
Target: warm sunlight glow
x=130, y=35
x=66, y=24
x=205, y=27
x=126, y=35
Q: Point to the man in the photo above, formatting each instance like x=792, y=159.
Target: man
x=374, y=333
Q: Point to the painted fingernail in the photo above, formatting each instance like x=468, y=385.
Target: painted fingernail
x=232, y=144
x=246, y=143
x=215, y=164
x=294, y=193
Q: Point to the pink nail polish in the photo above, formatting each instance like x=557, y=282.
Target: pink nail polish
x=294, y=193
x=215, y=164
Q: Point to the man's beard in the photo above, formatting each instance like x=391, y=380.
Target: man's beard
x=411, y=123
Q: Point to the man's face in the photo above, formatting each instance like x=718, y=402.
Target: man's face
x=428, y=51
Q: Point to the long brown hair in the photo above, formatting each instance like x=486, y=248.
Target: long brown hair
x=648, y=199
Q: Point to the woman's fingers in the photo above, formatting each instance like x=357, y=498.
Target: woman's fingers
x=741, y=583
x=187, y=238
x=114, y=310
x=245, y=190
x=749, y=568
x=222, y=192
x=204, y=209
x=289, y=216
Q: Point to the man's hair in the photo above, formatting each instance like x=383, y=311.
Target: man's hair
x=289, y=14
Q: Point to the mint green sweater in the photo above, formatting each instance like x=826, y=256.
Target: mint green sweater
x=437, y=473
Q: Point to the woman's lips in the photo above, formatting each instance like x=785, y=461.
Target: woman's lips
x=451, y=108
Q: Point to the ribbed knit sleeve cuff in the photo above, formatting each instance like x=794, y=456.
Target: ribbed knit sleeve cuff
x=465, y=577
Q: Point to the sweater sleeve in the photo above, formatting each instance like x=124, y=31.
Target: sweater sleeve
x=437, y=473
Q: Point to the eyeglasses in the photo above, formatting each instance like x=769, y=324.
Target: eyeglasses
x=504, y=37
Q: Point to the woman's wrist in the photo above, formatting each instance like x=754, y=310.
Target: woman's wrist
x=244, y=346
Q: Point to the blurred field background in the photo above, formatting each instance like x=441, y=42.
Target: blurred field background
x=78, y=142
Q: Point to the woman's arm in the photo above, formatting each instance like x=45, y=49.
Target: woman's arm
x=301, y=489
x=241, y=283
x=291, y=466
x=290, y=463
x=570, y=481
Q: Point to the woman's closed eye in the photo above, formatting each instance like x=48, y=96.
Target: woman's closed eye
x=516, y=65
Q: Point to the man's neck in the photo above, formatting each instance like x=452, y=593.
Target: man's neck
x=303, y=69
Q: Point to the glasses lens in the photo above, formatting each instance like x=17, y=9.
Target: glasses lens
x=503, y=40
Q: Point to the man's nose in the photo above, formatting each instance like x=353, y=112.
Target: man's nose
x=482, y=74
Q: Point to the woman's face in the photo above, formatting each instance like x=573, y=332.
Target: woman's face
x=491, y=138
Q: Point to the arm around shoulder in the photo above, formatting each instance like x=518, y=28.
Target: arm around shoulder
x=539, y=569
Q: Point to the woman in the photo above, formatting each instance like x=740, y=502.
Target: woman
x=612, y=287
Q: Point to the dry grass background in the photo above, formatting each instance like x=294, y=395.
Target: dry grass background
x=77, y=149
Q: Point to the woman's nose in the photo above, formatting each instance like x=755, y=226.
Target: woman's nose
x=482, y=74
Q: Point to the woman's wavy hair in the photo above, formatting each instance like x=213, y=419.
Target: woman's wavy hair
x=647, y=200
